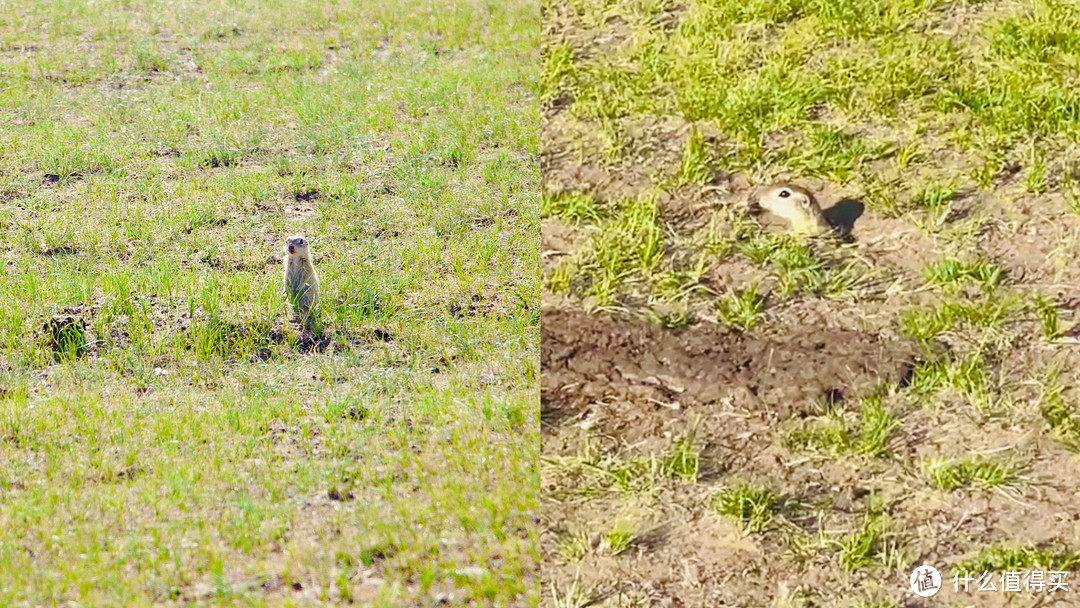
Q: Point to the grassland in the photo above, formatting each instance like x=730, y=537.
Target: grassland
x=168, y=435
x=952, y=128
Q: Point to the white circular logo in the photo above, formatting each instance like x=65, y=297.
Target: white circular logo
x=925, y=581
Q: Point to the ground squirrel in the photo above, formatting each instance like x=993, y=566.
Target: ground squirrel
x=796, y=205
x=301, y=284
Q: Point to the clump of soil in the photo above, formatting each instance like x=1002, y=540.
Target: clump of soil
x=589, y=360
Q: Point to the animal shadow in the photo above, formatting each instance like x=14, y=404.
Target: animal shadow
x=844, y=214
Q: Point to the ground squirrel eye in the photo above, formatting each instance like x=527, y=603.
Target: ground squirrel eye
x=785, y=193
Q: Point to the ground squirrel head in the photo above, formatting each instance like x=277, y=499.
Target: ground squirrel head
x=296, y=246
x=796, y=205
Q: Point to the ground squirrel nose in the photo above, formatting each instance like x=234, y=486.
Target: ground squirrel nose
x=752, y=204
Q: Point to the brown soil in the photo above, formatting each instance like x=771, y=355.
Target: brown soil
x=628, y=374
x=100, y=333
x=632, y=384
x=621, y=389
x=617, y=391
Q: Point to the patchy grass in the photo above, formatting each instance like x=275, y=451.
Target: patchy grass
x=752, y=507
x=630, y=473
x=620, y=536
x=858, y=549
x=169, y=434
x=1060, y=414
x=684, y=461
x=942, y=140
x=743, y=309
x=980, y=472
x=837, y=431
x=951, y=271
x=999, y=558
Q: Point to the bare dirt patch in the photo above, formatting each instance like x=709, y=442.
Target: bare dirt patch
x=629, y=375
x=1035, y=237
x=615, y=392
x=628, y=388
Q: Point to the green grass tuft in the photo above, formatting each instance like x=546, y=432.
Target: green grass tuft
x=695, y=167
x=858, y=549
x=753, y=507
x=951, y=271
x=683, y=462
x=999, y=558
x=574, y=207
x=983, y=473
x=742, y=309
x=865, y=432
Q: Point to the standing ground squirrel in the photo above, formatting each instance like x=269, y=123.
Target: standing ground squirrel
x=301, y=284
x=796, y=205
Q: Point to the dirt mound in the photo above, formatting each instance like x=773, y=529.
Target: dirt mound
x=92, y=330
x=587, y=360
